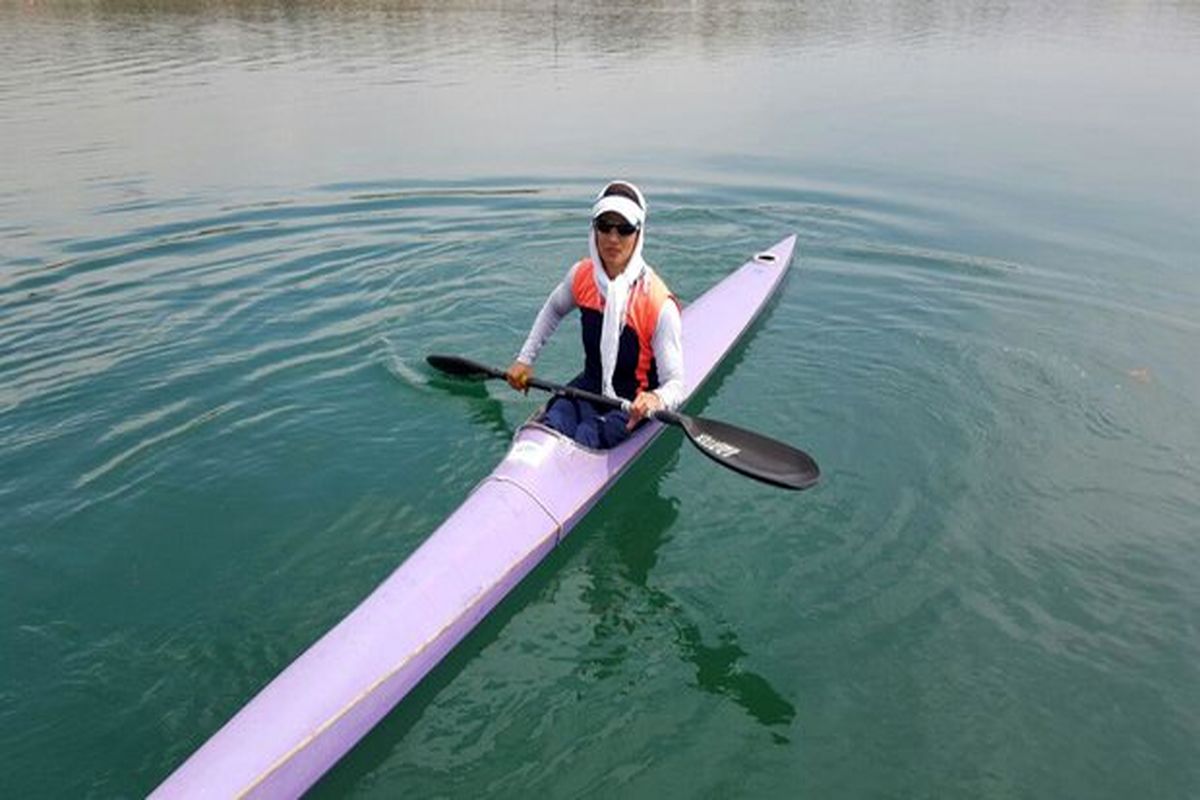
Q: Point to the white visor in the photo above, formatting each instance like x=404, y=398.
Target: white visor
x=628, y=209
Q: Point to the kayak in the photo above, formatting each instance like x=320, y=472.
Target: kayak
x=320, y=706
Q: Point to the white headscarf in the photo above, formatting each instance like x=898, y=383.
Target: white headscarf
x=616, y=290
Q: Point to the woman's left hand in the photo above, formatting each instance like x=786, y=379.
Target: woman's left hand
x=644, y=405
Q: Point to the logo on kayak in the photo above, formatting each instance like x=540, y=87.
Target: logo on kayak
x=716, y=446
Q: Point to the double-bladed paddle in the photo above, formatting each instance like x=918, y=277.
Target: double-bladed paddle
x=749, y=453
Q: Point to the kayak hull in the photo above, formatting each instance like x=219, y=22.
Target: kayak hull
x=318, y=708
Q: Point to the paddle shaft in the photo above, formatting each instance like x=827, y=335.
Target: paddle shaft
x=749, y=453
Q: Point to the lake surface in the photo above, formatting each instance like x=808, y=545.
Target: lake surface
x=229, y=233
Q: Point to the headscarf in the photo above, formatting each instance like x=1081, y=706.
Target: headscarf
x=616, y=290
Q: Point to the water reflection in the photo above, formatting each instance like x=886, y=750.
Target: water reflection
x=265, y=30
x=619, y=598
x=482, y=407
x=630, y=23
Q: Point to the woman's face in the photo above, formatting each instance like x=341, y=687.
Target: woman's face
x=615, y=250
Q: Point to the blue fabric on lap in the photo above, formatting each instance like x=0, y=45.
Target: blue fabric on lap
x=592, y=427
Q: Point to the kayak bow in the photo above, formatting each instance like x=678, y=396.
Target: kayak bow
x=315, y=711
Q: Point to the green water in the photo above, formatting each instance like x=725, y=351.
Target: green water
x=229, y=234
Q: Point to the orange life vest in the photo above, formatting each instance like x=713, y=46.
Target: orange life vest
x=635, y=369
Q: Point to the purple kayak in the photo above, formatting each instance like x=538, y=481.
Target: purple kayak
x=318, y=708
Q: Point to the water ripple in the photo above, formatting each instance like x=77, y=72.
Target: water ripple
x=217, y=432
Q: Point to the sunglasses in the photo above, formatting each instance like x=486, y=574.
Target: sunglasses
x=624, y=228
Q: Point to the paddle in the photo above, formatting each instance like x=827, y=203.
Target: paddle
x=749, y=453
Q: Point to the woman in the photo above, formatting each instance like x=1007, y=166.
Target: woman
x=630, y=323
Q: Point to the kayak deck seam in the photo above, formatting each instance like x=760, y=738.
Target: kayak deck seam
x=558, y=525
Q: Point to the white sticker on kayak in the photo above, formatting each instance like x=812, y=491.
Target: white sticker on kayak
x=531, y=453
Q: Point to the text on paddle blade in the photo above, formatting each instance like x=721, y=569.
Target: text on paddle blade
x=716, y=446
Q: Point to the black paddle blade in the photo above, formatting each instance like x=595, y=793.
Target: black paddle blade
x=752, y=454
x=462, y=367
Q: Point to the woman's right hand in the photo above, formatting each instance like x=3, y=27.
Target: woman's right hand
x=518, y=376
